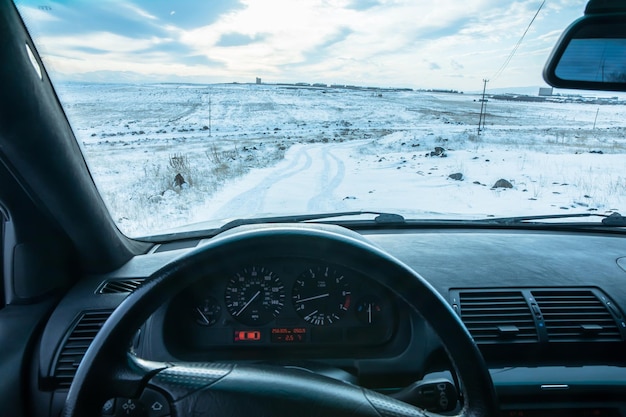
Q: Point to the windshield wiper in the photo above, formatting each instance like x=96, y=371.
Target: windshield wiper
x=613, y=220
x=381, y=218
x=393, y=220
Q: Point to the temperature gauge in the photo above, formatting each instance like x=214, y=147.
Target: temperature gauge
x=369, y=310
x=207, y=311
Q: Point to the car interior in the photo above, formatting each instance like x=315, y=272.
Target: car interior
x=506, y=317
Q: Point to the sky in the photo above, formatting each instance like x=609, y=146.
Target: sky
x=447, y=44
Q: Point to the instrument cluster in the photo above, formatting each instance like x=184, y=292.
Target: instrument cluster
x=293, y=302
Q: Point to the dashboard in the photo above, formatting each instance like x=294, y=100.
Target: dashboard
x=337, y=318
x=281, y=302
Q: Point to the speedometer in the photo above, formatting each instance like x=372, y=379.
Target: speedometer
x=254, y=296
x=321, y=296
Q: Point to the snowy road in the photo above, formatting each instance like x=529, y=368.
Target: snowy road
x=308, y=174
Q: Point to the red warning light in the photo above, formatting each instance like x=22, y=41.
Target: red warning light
x=247, y=336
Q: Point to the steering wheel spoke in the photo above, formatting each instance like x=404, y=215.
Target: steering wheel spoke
x=124, y=391
x=265, y=390
x=187, y=380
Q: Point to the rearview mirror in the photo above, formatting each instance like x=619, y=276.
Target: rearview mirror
x=591, y=53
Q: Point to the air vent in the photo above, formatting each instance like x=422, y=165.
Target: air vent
x=494, y=317
x=76, y=345
x=576, y=316
x=120, y=286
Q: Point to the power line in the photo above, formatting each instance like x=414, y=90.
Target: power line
x=517, y=45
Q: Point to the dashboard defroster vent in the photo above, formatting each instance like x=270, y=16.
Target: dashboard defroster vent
x=120, y=286
x=494, y=317
x=76, y=344
x=576, y=316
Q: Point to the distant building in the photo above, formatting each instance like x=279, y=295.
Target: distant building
x=545, y=91
x=258, y=80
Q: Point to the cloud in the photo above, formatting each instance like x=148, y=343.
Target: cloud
x=141, y=13
x=362, y=4
x=383, y=42
x=434, y=66
x=551, y=36
x=455, y=65
x=238, y=39
x=103, y=41
x=90, y=50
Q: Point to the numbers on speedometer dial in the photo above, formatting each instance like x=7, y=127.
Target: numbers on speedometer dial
x=254, y=296
x=321, y=296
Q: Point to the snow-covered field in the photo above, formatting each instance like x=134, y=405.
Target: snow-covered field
x=252, y=150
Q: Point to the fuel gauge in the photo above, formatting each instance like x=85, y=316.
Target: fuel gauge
x=207, y=311
x=369, y=310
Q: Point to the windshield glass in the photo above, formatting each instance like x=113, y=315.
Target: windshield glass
x=192, y=113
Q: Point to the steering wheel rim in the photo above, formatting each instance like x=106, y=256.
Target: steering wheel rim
x=107, y=358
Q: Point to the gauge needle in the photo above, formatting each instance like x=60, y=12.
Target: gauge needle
x=369, y=313
x=312, y=298
x=307, y=318
x=206, y=320
x=248, y=303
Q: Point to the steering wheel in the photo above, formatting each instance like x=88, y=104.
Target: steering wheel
x=127, y=385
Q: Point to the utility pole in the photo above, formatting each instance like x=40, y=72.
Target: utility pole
x=483, y=108
x=210, y=115
x=485, y=100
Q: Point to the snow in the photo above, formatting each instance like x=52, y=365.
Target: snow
x=256, y=150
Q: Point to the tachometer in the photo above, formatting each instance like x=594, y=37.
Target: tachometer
x=321, y=296
x=254, y=296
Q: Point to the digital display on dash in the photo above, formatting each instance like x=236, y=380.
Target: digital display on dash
x=288, y=335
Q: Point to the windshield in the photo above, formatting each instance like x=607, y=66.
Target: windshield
x=195, y=113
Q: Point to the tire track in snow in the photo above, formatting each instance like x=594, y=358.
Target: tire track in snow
x=193, y=107
x=324, y=200
x=253, y=200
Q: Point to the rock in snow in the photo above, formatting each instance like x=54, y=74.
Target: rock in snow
x=179, y=180
x=502, y=183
